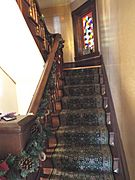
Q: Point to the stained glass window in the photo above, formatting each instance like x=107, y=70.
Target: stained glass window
x=88, y=34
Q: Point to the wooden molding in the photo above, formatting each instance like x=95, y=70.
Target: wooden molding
x=90, y=61
x=89, y=6
x=83, y=67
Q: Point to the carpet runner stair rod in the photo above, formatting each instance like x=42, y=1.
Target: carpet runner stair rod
x=83, y=148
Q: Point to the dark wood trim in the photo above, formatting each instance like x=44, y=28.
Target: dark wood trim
x=117, y=149
x=36, y=21
x=19, y=2
x=87, y=56
x=7, y=75
x=82, y=67
x=33, y=21
x=93, y=61
x=26, y=1
x=40, y=38
x=77, y=29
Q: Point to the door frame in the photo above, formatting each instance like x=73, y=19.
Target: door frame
x=89, y=6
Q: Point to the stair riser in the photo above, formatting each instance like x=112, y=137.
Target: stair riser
x=86, y=165
x=83, y=118
x=82, y=90
x=79, y=176
x=93, y=79
x=82, y=103
x=82, y=72
x=82, y=139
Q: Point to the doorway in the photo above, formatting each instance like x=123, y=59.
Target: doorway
x=85, y=31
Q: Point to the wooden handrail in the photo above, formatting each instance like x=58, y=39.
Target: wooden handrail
x=49, y=45
x=43, y=80
x=36, y=23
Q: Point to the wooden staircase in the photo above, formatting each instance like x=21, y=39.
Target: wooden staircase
x=119, y=167
x=52, y=89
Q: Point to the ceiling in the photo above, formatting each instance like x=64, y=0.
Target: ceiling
x=53, y=3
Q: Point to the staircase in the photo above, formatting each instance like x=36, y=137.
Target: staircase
x=86, y=142
x=82, y=150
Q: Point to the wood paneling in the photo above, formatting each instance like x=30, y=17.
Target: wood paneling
x=14, y=134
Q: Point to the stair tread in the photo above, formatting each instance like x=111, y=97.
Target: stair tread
x=82, y=79
x=84, y=97
x=81, y=75
x=82, y=85
x=82, y=102
x=91, y=149
x=81, y=135
x=70, y=175
x=89, y=110
x=81, y=71
x=83, y=117
x=90, y=158
x=81, y=129
x=81, y=90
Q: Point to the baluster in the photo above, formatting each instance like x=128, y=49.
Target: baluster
x=103, y=89
x=29, y=1
x=30, y=12
x=46, y=117
x=108, y=118
x=101, y=79
x=116, y=165
x=111, y=138
x=36, y=13
x=37, y=30
x=100, y=70
x=33, y=10
x=105, y=102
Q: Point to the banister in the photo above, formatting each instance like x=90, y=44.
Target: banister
x=36, y=23
x=44, y=77
x=37, y=126
x=50, y=46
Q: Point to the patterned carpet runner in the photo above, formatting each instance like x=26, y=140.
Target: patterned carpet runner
x=83, y=151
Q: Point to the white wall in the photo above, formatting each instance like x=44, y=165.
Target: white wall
x=19, y=55
x=117, y=32
x=8, y=98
